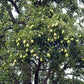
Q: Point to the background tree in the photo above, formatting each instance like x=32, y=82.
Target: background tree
x=41, y=43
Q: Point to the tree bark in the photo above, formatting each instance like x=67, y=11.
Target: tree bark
x=14, y=4
x=37, y=72
x=36, y=77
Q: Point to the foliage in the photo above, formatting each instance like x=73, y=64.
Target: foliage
x=41, y=43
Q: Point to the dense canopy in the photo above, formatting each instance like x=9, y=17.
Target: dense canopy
x=41, y=42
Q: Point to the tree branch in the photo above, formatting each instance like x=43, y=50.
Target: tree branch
x=47, y=77
x=12, y=17
x=14, y=4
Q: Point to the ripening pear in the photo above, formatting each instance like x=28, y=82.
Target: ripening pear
x=10, y=55
x=26, y=49
x=62, y=50
x=32, y=41
x=80, y=36
x=68, y=41
x=62, y=31
x=34, y=55
x=61, y=41
x=48, y=39
x=16, y=41
x=39, y=35
x=21, y=56
x=12, y=40
x=55, y=38
x=55, y=34
x=77, y=40
x=32, y=51
x=51, y=10
x=82, y=59
x=15, y=61
x=52, y=25
x=51, y=30
x=24, y=56
x=56, y=24
x=48, y=55
x=65, y=50
x=24, y=41
x=8, y=51
x=72, y=39
x=27, y=45
x=65, y=38
x=18, y=44
x=41, y=59
x=17, y=54
x=39, y=12
x=66, y=55
x=19, y=39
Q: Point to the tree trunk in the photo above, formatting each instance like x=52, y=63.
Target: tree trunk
x=37, y=73
x=36, y=77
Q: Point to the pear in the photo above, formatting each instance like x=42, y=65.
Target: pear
x=24, y=41
x=82, y=59
x=56, y=24
x=55, y=34
x=65, y=50
x=16, y=41
x=32, y=41
x=32, y=51
x=10, y=55
x=77, y=40
x=17, y=54
x=24, y=56
x=62, y=50
x=39, y=12
x=18, y=44
x=66, y=55
x=8, y=51
x=61, y=41
x=51, y=30
x=51, y=10
x=41, y=59
x=21, y=56
x=62, y=31
x=55, y=38
x=19, y=39
x=39, y=35
x=34, y=55
x=52, y=40
x=12, y=40
x=27, y=45
x=48, y=39
x=48, y=55
x=72, y=39
x=68, y=41
x=80, y=36
x=15, y=61
x=26, y=49
x=65, y=38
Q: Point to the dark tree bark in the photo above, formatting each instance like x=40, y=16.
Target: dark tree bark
x=14, y=4
x=37, y=72
x=36, y=77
